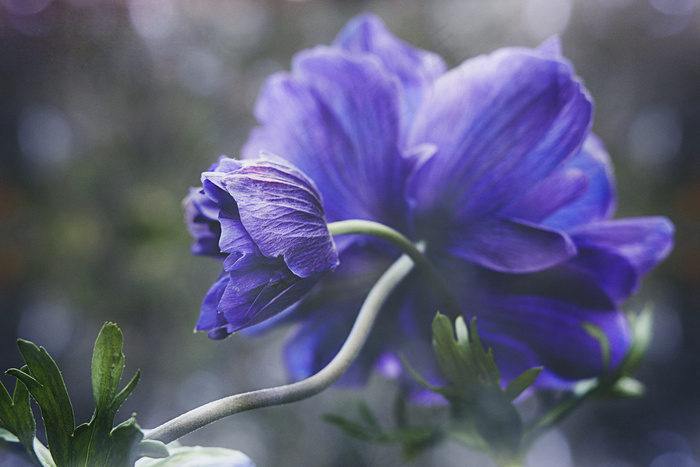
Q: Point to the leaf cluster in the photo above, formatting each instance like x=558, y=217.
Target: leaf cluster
x=413, y=439
x=96, y=443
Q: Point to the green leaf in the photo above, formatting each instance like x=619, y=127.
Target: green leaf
x=484, y=359
x=16, y=416
x=599, y=335
x=45, y=384
x=107, y=367
x=521, y=382
x=351, y=428
x=128, y=444
x=197, y=455
x=367, y=416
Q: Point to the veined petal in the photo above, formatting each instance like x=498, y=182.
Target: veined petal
x=281, y=211
x=509, y=245
x=415, y=68
x=336, y=117
x=244, y=307
x=501, y=123
x=210, y=317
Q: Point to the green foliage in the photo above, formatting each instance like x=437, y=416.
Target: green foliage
x=95, y=443
x=483, y=416
x=413, y=439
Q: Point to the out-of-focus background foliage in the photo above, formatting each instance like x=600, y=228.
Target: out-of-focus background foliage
x=109, y=110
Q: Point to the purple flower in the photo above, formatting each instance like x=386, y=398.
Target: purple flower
x=264, y=219
x=494, y=167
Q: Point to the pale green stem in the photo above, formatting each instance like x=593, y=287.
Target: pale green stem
x=375, y=229
x=213, y=411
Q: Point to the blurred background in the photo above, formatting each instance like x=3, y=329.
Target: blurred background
x=109, y=111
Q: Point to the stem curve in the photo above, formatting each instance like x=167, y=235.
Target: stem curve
x=216, y=410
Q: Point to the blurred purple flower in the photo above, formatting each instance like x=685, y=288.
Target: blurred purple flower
x=493, y=165
x=264, y=219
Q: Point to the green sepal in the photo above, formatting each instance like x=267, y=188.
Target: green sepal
x=521, y=382
x=16, y=417
x=642, y=332
x=45, y=384
x=599, y=335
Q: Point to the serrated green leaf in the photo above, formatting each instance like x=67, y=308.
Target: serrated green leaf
x=599, y=335
x=521, y=382
x=484, y=359
x=126, y=392
x=449, y=358
x=107, y=366
x=45, y=383
x=197, y=455
x=17, y=417
x=125, y=438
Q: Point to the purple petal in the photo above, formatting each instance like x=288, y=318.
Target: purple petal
x=415, y=68
x=344, y=137
x=509, y=245
x=210, y=318
x=599, y=201
x=501, y=123
x=553, y=330
x=281, y=211
x=560, y=189
x=201, y=218
x=642, y=242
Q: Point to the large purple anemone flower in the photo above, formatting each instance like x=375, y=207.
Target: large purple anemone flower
x=264, y=219
x=493, y=166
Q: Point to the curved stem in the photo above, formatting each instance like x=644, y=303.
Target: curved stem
x=375, y=229
x=208, y=413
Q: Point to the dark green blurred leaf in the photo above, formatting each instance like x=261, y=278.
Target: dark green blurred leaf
x=521, y=382
x=17, y=418
x=45, y=384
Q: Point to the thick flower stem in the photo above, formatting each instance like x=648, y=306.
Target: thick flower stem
x=208, y=413
x=375, y=229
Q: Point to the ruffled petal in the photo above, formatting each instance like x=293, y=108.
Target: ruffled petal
x=510, y=245
x=343, y=139
x=281, y=211
x=210, y=318
x=415, y=68
x=501, y=123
